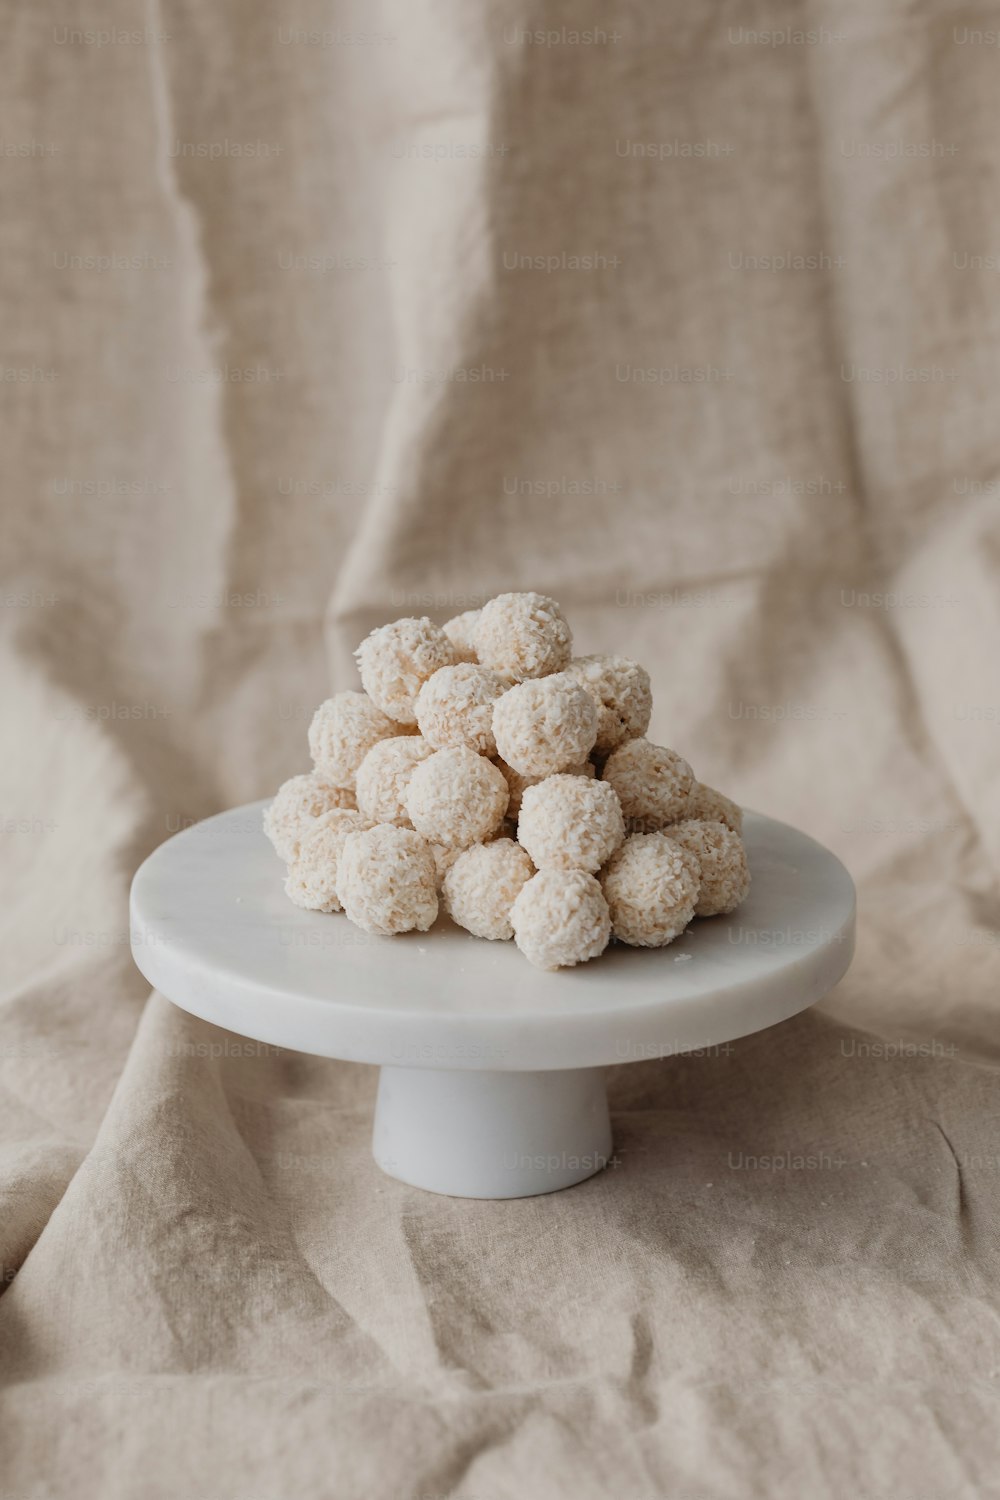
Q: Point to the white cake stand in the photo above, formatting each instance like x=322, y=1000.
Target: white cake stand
x=492, y=1081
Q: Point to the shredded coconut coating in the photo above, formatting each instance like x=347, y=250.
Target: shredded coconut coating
x=296, y=806
x=342, y=732
x=722, y=861
x=622, y=692
x=518, y=784
x=455, y=707
x=396, y=660
x=461, y=631
x=312, y=875
x=386, y=880
x=545, y=726
x=456, y=797
x=443, y=860
x=568, y=823
x=560, y=918
x=653, y=784
x=384, y=775
x=482, y=884
x=523, y=635
x=709, y=806
x=651, y=886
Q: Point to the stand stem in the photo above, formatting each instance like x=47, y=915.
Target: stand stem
x=490, y=1134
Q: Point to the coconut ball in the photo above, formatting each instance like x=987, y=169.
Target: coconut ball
x=312, y=874
x=523, y=635
x=296, y=806
x=386, y=880
x=482, y=884
x=456, y=797
x=569, y=823
x=722, y=861
x=342, y=732
x=545, y=725
x=560, y=918
x=461, y=631
x=622, y=692
x=455, y=707
x=517, y=784
x=396, y=660
x=652, y=783
x=710, y=806
x=384, y=775
x=651, y=886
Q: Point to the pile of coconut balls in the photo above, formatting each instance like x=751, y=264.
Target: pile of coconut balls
x=486, y=769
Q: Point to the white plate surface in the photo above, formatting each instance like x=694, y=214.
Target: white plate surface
x=213, y=930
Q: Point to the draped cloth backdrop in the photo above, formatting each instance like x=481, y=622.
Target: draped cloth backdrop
x=317, y=315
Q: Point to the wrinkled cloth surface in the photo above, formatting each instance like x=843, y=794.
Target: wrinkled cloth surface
x=321, y=314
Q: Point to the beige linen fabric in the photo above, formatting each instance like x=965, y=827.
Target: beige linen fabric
x=317, y=315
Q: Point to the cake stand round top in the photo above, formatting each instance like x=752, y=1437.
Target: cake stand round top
x=213, y=930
